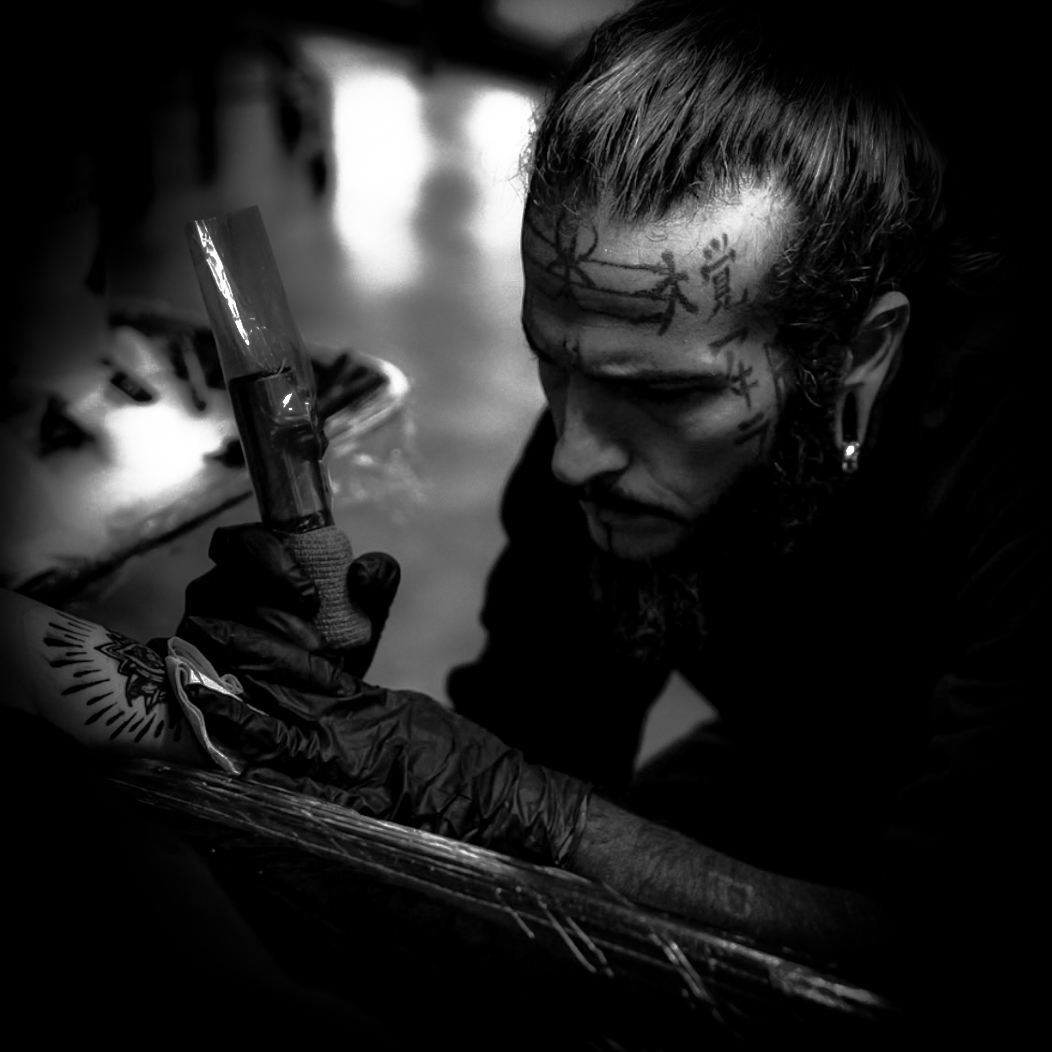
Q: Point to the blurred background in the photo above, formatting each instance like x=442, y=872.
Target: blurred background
x=382, y=141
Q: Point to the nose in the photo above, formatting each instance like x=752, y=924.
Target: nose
x=588, y=437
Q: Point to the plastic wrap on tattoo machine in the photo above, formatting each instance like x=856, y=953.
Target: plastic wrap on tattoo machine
x=268, y=375
x=272, y=391
x=371, y=455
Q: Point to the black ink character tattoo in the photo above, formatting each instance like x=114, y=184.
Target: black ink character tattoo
x=716, y=270
x=739, y=377
x=754, y=429
x=571, y=260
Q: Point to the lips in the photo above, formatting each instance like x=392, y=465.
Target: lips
x=631, y=530
x=625, y=511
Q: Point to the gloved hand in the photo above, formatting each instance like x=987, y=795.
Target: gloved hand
x=306, y=725
x=257, y=582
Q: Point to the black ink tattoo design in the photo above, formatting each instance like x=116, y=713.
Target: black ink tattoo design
x=740, y=335
x=739, y=379
x=573, y=246
x=754, y=430
x=137, y=663
x=717, y=270
x=734, y=896
x=759, y=426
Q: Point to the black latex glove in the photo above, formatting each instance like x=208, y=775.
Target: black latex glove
x=257, y=582
x=399, y=755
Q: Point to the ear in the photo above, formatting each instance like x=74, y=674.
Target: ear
x=870, y=360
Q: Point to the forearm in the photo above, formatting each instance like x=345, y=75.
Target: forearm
x=104, y=689
x=659, y=867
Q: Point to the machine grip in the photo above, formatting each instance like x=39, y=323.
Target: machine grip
x=326, y=554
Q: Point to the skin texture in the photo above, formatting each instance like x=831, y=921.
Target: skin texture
x=659, y=867
x=107, y=691
x=663, y=381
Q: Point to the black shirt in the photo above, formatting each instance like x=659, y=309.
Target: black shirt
x=880, y=685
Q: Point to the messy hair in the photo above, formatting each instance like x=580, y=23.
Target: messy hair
x=677, y=104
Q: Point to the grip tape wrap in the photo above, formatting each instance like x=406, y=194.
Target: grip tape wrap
x=326, y=554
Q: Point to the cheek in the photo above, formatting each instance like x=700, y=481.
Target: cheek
x=696, y=454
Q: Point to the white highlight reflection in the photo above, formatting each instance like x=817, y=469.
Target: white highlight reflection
x=159, y=451
x=497, y=126
x=382, y=155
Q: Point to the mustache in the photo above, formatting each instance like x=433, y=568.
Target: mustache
x=607, y=497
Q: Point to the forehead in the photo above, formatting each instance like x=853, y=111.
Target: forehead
x=687, y=279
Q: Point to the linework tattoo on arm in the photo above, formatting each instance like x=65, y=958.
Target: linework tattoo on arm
x=135, y=711
x=100, y=687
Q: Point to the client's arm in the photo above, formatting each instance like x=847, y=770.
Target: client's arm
x=102, y=688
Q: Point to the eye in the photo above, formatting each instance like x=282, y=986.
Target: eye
x=681, y=395
x=667, y=395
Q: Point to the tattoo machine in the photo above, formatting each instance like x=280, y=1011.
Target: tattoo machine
x=271, y=385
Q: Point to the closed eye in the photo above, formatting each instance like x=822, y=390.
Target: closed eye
x=657, y=388
x=672, y=392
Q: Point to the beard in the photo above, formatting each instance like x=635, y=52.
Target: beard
x=655, y=609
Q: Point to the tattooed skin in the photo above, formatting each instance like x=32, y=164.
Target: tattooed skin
x=101, y=687
x=656, y=367
x=565, y=259
x=679, y=428
x=718, y=266
x=130, y=710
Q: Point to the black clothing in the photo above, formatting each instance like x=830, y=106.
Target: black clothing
x=117, y=927
x=877, y=690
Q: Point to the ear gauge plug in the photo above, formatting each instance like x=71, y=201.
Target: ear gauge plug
x=850, y=446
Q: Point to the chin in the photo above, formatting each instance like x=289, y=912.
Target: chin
x=638, y=545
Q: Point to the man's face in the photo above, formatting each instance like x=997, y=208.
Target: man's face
x=663, y=383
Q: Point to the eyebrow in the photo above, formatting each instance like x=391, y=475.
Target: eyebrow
x=642, y=377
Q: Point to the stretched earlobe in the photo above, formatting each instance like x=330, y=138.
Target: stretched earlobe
x=868, y=364
x=848, y=441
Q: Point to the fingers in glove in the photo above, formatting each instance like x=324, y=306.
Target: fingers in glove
x=216, y=595
x=276, y=674
x=257, y=557
x=372, y=582
x=256, y=581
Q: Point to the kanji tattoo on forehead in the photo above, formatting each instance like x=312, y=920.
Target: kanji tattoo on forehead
x=717, y=270
x=573, y=247
x=718, y=256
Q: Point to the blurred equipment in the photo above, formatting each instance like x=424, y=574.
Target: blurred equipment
x=113, y=458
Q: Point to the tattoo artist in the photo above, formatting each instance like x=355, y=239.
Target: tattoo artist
x=772, y=461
